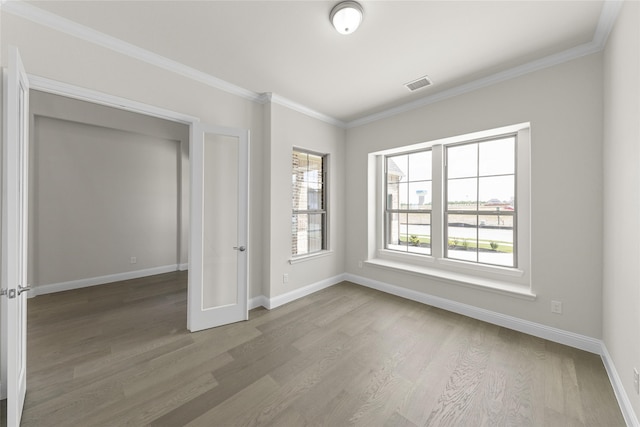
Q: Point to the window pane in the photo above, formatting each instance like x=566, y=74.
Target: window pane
x=306, y=230
x=314, y=198
x=403, y=195
x=315, y=164
x=462, y=234
x=420, y=166
x=496, y=220
x=393, y=195
x=497, y=157
x=300, y=195
x=397, y=232
x=495, y=243
x=462, y=194
x=420, y=195
x=315, y=232
x=462, y=161
x=496, y=191
x=300, y=162
x=397, y=168
x=299, y=233
x=419, y=233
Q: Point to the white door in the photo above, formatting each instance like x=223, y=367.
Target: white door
x=14, y=237
x=218, y=255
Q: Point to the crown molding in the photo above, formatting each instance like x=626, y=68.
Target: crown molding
x=539, y=64
x=58, y=23
x=280, y=100
x=610, y=11
x=608, y=15
x=76, y=92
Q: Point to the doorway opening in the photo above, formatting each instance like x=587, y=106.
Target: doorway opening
x=108, y=194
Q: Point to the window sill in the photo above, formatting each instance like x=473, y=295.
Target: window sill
x=468, y=280
x=310, y=257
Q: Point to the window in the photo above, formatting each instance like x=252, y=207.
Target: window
x=408, y=202
x=480, y=210
x=309, y=215
x=456, y=208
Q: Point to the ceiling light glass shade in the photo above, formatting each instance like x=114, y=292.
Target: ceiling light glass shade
x=346, y=16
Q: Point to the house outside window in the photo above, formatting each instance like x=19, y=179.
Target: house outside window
x=309, y=214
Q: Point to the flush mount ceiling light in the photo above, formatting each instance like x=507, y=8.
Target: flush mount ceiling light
x=346, y=16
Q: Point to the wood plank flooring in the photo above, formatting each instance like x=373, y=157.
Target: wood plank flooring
x=120, y=355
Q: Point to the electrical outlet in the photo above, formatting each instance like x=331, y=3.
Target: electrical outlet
x=133, y=260
x=285, y=278
x=636, y=380
x=556, y=307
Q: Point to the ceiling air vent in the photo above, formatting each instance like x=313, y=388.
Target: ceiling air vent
x=418, y=83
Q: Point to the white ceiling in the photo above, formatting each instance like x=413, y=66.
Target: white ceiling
x=290, y=48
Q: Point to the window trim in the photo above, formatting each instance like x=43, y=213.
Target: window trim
x=325, y=250
x=510, y=280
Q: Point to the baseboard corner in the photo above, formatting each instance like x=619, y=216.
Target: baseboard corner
x=626, y=407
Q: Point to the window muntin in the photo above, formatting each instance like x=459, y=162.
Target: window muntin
x=408, y=202
x=480, y=211
x=309, y=214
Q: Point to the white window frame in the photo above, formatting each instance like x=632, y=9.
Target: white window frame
x=388, y=211
x=325, y=224
x=513, y=281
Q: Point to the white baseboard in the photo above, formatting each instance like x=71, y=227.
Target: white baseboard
x=270, y=303
x=100, y=280
x=259, y=301
x=571, y=339
x=623, y=399
x=183, y=267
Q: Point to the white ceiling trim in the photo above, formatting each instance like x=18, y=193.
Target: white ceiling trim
x=607, y=19
x=72, y=28
x=277, y=99
x=608, y=16
x=548, y=61
x=76, y=92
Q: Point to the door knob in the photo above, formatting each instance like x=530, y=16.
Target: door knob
x=240, y=248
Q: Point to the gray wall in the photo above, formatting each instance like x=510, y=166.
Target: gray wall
x=621, y=293
x=106, y=185
x=564, y=106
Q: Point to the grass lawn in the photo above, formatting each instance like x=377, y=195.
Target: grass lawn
x=505, y=247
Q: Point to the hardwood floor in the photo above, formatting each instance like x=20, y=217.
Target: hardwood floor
x=120, y=355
